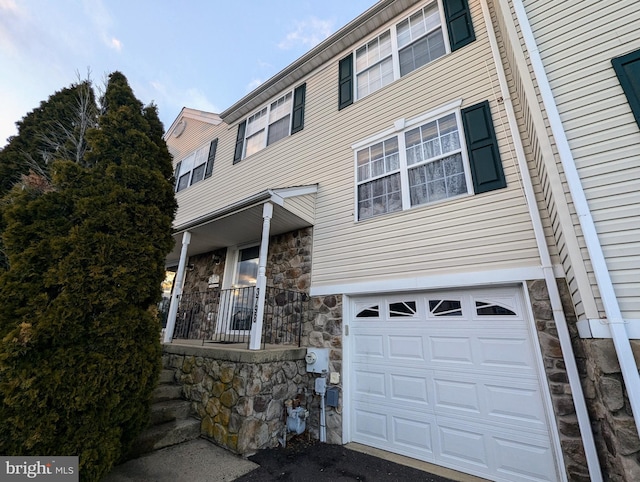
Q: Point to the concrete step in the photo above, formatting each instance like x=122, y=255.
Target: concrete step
x=167, y=376
x=168, y=410
x=165, y=435
x=167, y=392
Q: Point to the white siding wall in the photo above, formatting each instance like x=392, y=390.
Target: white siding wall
x=577, y=40
x=483, y=232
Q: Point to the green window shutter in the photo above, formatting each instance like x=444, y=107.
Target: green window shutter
x=175, y=175
x=459, y=23
x=482, y=146
x=237, y=156
x=212, y=157
x=297, y=119
x=627, y=69
x=345, y=82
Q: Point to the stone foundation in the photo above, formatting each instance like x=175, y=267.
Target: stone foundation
x=239, y=395
x=614, y=427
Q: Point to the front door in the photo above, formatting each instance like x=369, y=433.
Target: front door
x=244, y=283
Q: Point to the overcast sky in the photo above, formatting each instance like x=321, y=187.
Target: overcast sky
x=203, y=54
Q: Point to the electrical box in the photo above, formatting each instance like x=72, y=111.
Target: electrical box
x=333, y=395
x=317, y=360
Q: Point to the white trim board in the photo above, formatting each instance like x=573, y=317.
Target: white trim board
x=439, y=281
x=600, y=328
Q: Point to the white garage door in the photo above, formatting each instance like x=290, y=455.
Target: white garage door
x=450, y=378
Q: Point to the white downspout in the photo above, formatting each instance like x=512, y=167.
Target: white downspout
x=615, y=321
x=547, y=266
x=177, y=289
x=261, y=279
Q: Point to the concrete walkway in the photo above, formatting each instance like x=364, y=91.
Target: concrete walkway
x=194, y=461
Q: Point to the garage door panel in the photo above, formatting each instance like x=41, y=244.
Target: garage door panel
x=506, y=401
x=499, y=453
x=518, y=459
x=516, y=405
x=408, y=432
x=370, y=384
x=451, y=349
x=463, y=446
x=456, y=396
x=512, y=352
x=407, y=388
x=368, y=345
x=394, y=387
x=412, y=434
x=371, y=425
x=406, y=347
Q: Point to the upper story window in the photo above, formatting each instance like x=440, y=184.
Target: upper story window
x=275, y=121
x=196, y=166
x=433, y=158
x=405, y=46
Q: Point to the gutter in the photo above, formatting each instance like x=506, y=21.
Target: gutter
x=615, y=321
x=547, y=267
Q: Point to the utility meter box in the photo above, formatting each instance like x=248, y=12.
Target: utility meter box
x=317, y=360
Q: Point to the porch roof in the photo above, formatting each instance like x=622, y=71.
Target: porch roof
x=241, y=222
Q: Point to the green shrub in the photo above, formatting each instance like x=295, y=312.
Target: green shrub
x=80, y=351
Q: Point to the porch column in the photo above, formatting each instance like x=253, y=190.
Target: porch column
x=261, y=280
x=178, y=281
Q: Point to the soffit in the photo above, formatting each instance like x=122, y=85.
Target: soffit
x=240, y=223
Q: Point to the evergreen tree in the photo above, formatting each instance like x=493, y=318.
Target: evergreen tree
x=54, y=130
x=80, y=351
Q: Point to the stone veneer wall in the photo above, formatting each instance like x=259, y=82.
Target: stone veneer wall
x=289, y=260
x=615, y=430
x=204, y=266
x=323, y=329
x=288, y=263
x=556, y=373
x=611, y=418
x=239, y=395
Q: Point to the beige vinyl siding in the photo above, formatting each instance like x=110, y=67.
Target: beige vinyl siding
x=474, y=233
x=577, y=40
x=195, y=135
x=553, y=195
x=465, y=234
x=302, y=206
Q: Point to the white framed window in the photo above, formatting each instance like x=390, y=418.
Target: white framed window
x=279, y=119
x=255, y=133
x=405, y=46
x=374, y=65
x=192, y=167
x=197, y=166
x=275, y=121
x=420, y=38
x=424, y=162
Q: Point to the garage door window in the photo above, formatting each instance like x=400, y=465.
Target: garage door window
x=402, y=309
x=492, y=309
x=370, y=312
x=445, y=308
